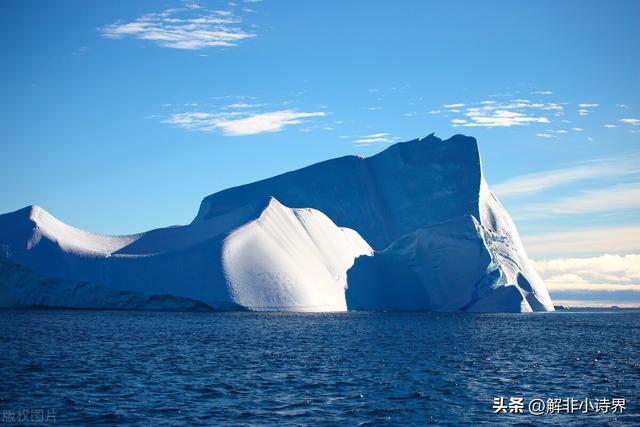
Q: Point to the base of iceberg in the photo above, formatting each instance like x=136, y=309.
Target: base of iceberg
x=21, y=287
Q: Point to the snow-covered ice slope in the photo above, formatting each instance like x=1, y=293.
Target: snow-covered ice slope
x=290, y=259
x=263, y=256
x=21, y=287
x=245, y=250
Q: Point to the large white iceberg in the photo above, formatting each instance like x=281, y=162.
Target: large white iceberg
x=442, y=241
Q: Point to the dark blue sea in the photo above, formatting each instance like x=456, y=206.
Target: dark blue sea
x=359, y=368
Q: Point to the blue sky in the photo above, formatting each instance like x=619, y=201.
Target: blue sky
x=118, y=117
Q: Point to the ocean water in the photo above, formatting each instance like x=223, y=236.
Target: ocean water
x=357, y=368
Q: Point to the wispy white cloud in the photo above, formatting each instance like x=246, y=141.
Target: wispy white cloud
x=374, y=138
x=596, y=169
x=242, y=105
x=239, y=123
x=585, y=109
x=601, y=273
x=617, y=197
x=545, y=135
x=516, y=112
x=588, y=241
x=634, y=122
x=456, y=105
x=543, y=92
x=501, y=118
x=609, y=126
x=273, y=121
x=190, y=27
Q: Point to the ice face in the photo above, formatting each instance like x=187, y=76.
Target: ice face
x=457, y=265
x=406, y=187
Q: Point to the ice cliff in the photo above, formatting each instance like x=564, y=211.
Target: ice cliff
x=442, y=241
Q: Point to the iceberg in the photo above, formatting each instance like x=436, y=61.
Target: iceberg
x=414, y=227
